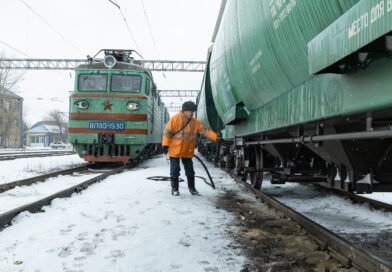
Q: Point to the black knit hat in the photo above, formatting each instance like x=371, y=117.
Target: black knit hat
x=189, y=106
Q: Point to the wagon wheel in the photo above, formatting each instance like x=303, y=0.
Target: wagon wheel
x=257, y=162
x=331, y=175
x=343, y=175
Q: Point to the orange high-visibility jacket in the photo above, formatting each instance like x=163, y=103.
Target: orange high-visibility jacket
x=182, y=145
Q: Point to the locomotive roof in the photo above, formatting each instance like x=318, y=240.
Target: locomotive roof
x=118, y=66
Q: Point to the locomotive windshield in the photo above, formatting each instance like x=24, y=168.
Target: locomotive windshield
x=92, y=83
x=126, y=83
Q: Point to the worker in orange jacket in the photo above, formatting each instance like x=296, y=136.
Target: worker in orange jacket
x=179, y=140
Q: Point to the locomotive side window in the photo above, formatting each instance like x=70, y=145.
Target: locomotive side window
x=126, y=83
x=148, y=86
x=92, y=83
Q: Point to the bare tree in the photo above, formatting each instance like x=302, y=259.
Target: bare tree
x=9, y=79
x=60, y=120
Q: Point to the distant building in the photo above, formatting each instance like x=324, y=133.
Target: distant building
x=45, y=132
x=11, y=122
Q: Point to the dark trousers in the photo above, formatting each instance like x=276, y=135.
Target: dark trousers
x=175, y=167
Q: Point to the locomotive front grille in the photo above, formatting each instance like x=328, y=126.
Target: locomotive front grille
x=112, y=150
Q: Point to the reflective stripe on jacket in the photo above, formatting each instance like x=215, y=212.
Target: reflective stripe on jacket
x=182, y=145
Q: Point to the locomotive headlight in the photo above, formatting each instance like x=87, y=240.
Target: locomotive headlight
x=109, y=61
x=133, y=106
x=82, y=104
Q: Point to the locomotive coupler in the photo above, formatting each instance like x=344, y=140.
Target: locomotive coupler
x=105, y=138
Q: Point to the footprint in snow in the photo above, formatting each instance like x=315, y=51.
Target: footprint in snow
x=211, y=269
x=122, y=230
x=108, y=214
x=67, y=230
x=98, y=238
x=176, y=266
x=82, y=236
x=65, y=252
x=77, y=265
x=120, y=218
x=80, y=258
x=115, y=254
x=184, y=243
x=88, y=248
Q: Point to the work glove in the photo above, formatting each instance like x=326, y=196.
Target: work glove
x=165, y=149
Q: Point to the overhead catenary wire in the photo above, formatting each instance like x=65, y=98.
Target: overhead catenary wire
x=14, y=49
x=151, y=33
x=127, y=25
x=52, y=28
x=24, y=54
x=150, y=29
x=17, y=79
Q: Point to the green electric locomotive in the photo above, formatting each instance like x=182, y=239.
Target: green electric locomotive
x=115, y=112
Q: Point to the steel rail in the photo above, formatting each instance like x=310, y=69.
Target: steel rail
x=358, y=258
x=355, y=197
x=7, y=157
x=33, y=152
x=28, y=181
x=7, y=217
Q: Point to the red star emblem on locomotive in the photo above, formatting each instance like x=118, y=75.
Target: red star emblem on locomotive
x=107, y=105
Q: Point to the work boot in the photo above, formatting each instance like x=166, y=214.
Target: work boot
x=174, y=186
x=191, y=186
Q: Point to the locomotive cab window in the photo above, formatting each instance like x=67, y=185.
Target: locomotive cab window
x=92, y=83
x=126, y=83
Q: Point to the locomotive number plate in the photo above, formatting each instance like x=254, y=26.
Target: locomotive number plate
x=107, y=125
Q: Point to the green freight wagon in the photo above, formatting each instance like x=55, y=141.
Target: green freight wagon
x=303, y=90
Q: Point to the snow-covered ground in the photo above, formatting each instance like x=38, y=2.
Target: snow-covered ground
x=330, y=211
x=126, y=223
x=22, y=195
x=29, y=167
x=383, y=197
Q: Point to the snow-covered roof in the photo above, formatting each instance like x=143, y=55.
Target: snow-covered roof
x=40, y=129
x=40, y=123
x=43, y=128
x=54, y=129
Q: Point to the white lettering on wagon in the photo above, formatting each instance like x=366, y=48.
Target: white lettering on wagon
x=254, y=63
x=280, y=9
x=362, y=22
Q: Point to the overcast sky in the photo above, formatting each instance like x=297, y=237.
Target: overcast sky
x=182, y=30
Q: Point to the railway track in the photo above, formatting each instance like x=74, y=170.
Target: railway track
x=342, y=249
x=7, y=217
x=28, y=181
x=20, y=155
